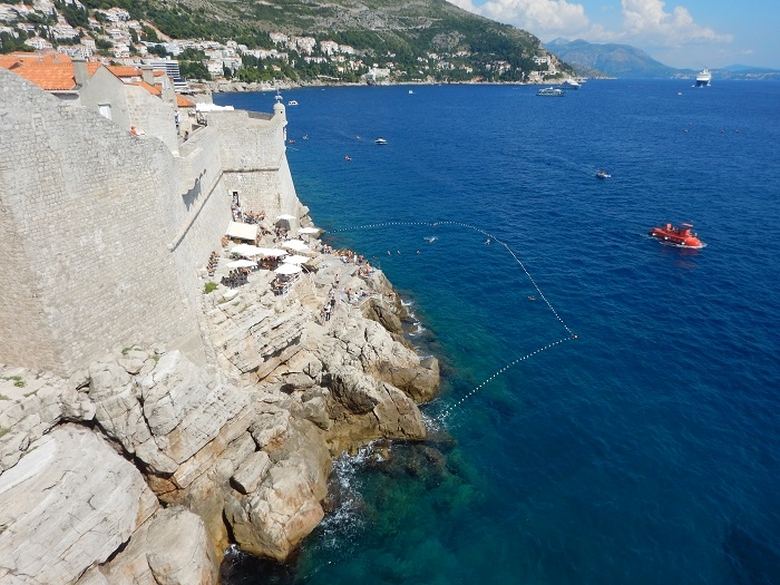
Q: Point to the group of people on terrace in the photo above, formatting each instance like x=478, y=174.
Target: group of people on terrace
x=286, y=273
x=349, y=257
x=236, y=277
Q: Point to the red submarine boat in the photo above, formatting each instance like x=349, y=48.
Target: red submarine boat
x=682, y=236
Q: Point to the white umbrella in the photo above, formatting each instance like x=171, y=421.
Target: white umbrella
x=288, y=269
x=297, y=245
x=242, y=263
x=247, y=250
x=296, y=259
x=310, y=230
x=286, y=217
x=272, y=252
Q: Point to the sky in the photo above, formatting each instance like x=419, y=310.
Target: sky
x=686, y=34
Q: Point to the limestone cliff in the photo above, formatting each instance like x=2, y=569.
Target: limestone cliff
x=144, y=467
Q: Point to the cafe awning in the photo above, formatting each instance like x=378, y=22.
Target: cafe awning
x=246, y=250
x=297, y=245
x=288, y=269
x=242, y=231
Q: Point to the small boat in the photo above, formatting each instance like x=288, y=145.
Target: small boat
x=551, y=92
x=570, y=84
x=347, y=157
x=682, y=236
x=411, y=92
x=602, y=174
x=292, y=103
x=380, y=141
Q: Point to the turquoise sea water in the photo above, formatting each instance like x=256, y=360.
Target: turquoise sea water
x=646, y=450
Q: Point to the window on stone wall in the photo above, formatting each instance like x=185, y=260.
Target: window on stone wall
x=105, y=110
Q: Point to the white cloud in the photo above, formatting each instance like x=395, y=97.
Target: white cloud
x=670, y=35
x=647, y=20
x=644, y=21
x=542, y=18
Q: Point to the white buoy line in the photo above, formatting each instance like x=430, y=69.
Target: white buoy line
x=490, y=237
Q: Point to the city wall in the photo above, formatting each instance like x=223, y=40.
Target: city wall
x=254, y=163
x=102, y=234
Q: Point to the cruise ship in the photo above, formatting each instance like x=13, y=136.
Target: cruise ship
x=703, y=78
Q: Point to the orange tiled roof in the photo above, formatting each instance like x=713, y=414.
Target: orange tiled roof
x=51, y=77
x=183, y=102
x=152, y=89
x=124, y=71
x=52, y=72
x=28, y=56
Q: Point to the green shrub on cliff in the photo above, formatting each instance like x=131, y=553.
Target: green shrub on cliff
x=19, y=382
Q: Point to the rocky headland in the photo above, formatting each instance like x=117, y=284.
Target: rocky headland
x=144, y=467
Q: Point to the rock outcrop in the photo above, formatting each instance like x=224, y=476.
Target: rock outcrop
x=144, y=467
x=69, y=503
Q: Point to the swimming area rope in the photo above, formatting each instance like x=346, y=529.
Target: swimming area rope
x=490, y=238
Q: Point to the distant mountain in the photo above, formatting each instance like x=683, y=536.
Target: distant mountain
x=747, y=72
x=611, y=60
x=627, y=62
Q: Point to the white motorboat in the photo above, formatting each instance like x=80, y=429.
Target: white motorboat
x=570, y=84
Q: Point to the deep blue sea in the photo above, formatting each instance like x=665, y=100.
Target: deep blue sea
x=647, y=449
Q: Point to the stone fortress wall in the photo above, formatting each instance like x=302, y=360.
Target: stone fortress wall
x=122, y=460
x=102, y=233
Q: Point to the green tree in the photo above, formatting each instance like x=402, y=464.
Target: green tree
x=149, y=34
x=194, y=70
x=158, y=50
x=9, y=43
x=190, y=54
x=75, y=16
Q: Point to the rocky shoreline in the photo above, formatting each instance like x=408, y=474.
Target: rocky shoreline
x=211, y=87
x=144, y=467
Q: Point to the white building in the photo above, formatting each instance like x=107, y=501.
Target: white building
x=303, y=44
x=89, y=43
x=329, y=47
x=377, y=75
x=215, y=67
x=39, y=44
x=8, y=13
x=116, y=15
x=62, y=30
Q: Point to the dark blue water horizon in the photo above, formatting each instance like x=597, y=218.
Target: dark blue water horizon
x=646, y=450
